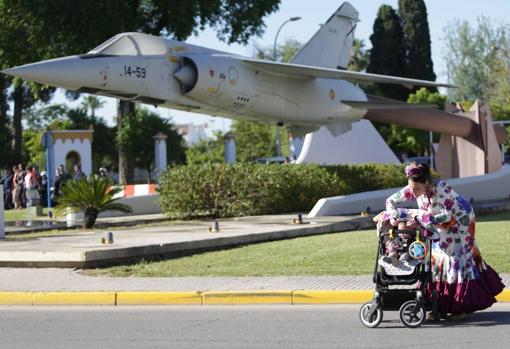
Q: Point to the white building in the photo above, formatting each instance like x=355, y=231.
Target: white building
x=192, y=133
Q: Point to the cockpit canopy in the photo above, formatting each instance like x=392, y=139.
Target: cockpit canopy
x=132, y=44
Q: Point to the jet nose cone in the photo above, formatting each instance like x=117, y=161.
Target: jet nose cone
x=67, y=72
x=10, y=71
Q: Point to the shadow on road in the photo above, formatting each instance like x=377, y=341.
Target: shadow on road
x=479, y=319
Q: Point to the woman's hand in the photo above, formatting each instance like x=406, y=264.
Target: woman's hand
x=411, y=224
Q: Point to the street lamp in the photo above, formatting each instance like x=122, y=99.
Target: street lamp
x=291, y=19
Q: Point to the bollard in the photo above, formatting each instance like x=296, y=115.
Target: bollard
x=109, y=237
x=215, y=227
x=298, y=220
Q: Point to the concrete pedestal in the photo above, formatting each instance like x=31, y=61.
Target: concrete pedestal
x=74, y=218
x=361, y=145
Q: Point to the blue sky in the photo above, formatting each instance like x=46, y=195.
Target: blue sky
x=313, y=13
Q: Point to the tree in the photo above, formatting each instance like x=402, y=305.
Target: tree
x=254, y=140
x=20, y=44
x=92, y=103
x=138, y=136
x=423, y=95
x=24, y=96
x=408, y=140
x=416, y=43
x=478, y=63
x=207, y=151
x=5, y=131
x=359, y=56
x=284, y=52
x=61, y=117
x=72, y=27
x=386, y=54
x=499, y=76
x=475, y=58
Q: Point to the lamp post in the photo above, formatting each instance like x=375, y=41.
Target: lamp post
x=291, y=19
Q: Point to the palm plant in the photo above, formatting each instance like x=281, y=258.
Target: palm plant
x=90, y=196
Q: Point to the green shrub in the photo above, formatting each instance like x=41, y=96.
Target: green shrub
x=90, y=196
x=220, y=190
x=368, y=177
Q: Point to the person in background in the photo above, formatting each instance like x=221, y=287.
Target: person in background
x=78, y=174
x=103, y=173
x=61, y=176
x=43, y=188
x=8, y=186
x=31, y=187
x=15, y=187
x=21, y=186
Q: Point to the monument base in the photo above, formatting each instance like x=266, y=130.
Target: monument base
x=34, y=211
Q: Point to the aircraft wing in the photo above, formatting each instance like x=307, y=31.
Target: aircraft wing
x=378, y=102
x=305, y=71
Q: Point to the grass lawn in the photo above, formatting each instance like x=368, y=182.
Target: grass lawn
x=21, y=215
x=350, y=253
x=43, y=234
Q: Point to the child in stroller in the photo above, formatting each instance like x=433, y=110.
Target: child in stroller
x=397, y=236
x=401, y=260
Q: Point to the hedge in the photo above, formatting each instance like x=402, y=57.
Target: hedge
x=221, y=190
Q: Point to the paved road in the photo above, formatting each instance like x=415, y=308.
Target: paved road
x=238, y=327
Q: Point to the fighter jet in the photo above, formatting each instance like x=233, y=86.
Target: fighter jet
x=313, y=90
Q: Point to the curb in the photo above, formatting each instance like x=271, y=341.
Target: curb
x=113, y=298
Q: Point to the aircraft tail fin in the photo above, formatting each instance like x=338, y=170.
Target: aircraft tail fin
x=331, y=45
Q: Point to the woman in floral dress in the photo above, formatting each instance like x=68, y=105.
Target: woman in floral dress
x=461, y=279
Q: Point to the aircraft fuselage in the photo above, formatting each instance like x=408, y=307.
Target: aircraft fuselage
x=193, y=78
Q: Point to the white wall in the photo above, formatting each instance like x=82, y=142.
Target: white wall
x=143, y=204
x=59, y=151
x=489, y=187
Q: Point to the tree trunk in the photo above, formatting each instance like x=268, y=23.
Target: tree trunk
x=125, y=110
x=3, y=105
x=89, y=218
x=16, y=121
x=4, y=129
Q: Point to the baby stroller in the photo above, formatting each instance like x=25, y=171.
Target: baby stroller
x=412, y=270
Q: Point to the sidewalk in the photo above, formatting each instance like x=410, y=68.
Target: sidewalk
x=31, y=286
x=67, y=286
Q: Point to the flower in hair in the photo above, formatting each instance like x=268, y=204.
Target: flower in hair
x=413, y=171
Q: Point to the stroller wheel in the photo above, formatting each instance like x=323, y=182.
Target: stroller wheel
x=412, y=314
x=370, y=321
